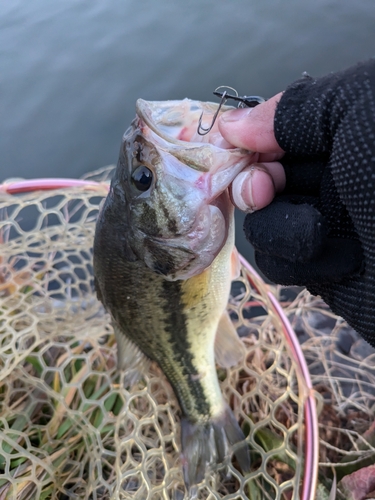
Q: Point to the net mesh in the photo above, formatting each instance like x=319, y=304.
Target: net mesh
x=342, y=368
x=71, y=429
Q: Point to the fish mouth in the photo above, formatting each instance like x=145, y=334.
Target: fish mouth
x=167, y=119
x=202, y=168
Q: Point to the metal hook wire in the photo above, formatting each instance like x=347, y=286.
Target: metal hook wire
x=204, y=130
x=248, y=101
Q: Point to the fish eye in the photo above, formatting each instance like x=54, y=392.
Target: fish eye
x=142, y=178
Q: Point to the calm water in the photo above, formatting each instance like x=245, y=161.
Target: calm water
x=71, y=70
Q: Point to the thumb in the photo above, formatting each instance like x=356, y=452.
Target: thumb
x=252, y=128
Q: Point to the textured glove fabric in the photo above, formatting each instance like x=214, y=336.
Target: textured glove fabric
x=321, y=231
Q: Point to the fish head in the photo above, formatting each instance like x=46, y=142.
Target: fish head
x=171, y=189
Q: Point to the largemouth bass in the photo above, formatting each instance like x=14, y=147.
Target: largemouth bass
x=163, y=261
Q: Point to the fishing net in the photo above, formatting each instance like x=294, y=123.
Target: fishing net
x=71, y=429
x=342, y=369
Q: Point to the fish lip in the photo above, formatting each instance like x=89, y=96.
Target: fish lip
x=203, y=250
x=142, y=115
x=218, y=202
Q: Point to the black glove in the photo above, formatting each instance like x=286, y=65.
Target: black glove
x=320, y=232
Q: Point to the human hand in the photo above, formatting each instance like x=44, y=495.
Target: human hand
x=252, y=129
x=320, y=232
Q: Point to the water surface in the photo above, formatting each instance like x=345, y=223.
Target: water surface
x=71, y=70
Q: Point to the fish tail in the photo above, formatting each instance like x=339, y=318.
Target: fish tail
x=207, y=443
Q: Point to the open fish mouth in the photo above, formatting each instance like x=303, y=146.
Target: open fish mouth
x=191, y=204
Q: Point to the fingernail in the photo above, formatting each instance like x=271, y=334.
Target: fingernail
x=242, y=191
x=235, y=115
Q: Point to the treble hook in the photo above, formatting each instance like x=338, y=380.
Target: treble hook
x=245, y=101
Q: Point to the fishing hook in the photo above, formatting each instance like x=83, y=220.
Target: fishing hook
x=244, y=101
x=204, y=130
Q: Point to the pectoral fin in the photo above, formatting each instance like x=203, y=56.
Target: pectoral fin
x=129, y=357
x=229, y=350
x=235, y=264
